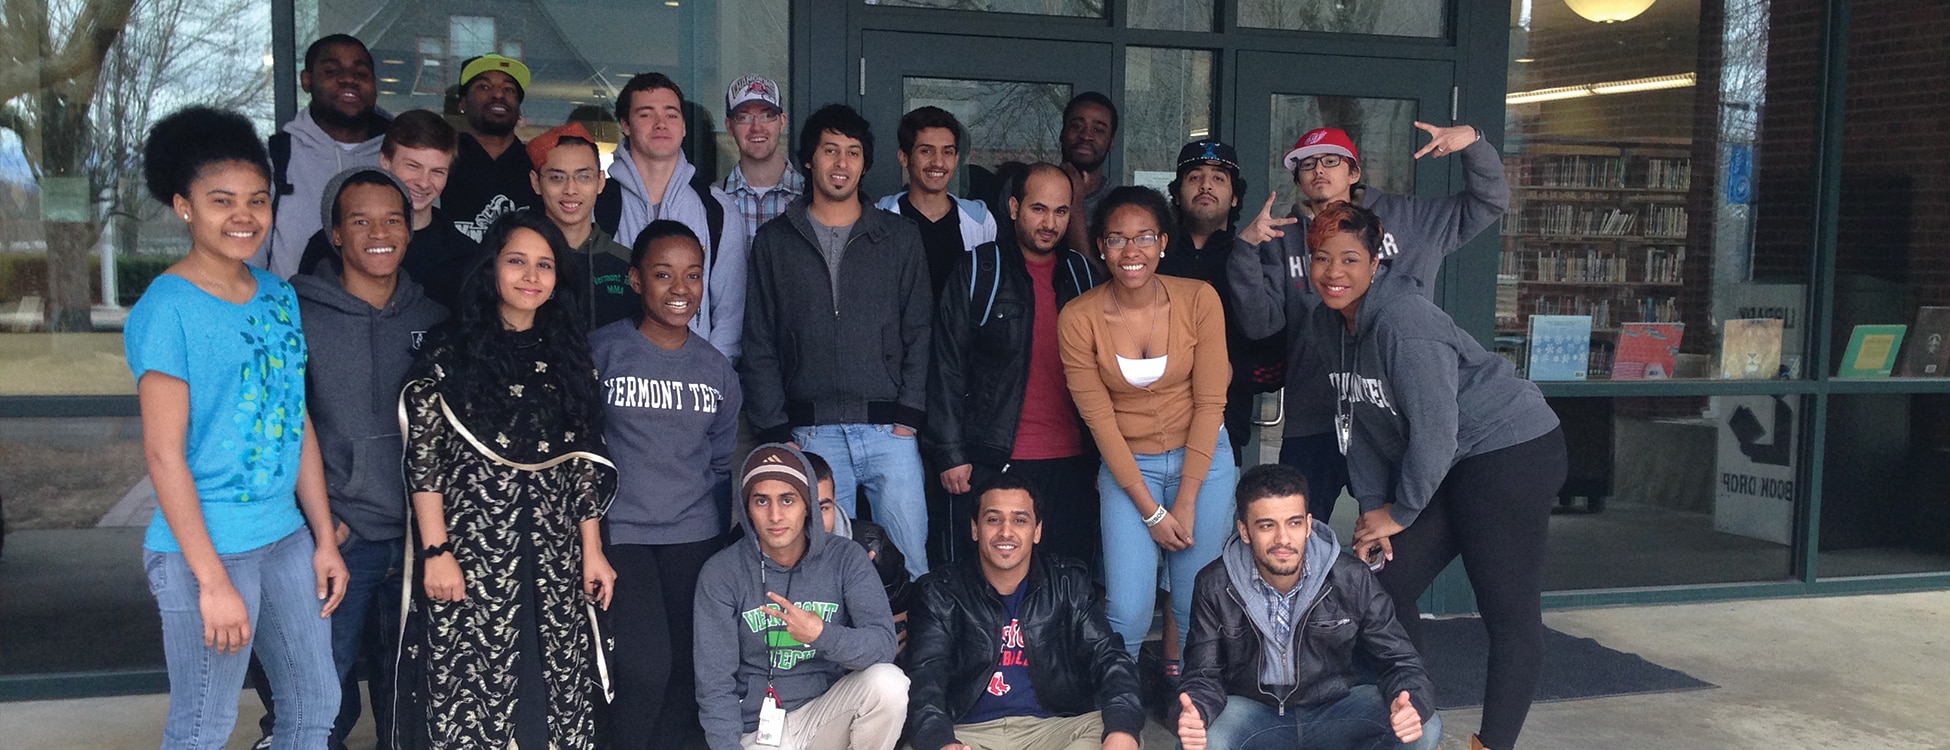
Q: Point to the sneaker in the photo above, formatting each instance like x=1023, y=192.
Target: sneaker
x=263, y=743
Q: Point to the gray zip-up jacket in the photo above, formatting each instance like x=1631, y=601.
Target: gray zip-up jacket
x=1271, y=289
x=359, y=360
x=812, y=357
x=1422, y=393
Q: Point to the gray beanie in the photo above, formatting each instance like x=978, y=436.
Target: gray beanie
x=329, y=200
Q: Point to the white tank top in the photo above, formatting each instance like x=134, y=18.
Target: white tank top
x=1141, y=373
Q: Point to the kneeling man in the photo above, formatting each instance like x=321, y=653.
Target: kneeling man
x=1011, y=650
x=1275, y=624
x=794, y=641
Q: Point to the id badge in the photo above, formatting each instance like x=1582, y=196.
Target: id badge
x=771, y=721
x=1344, y=430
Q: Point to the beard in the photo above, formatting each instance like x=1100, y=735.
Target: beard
x=484, y=126
x=329, y=116
x=1265, y=561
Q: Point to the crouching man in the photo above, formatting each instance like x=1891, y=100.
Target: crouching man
x=1275, y=624
x=794, y=643
x=1012, y=651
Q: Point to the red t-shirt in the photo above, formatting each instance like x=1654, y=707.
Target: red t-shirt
x=1049, y=418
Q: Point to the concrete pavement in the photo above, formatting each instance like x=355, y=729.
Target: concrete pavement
x=1795, y=674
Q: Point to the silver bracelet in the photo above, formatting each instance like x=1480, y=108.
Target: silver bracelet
x=1156, y=518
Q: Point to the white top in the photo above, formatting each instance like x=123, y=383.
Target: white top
x=1141, y=373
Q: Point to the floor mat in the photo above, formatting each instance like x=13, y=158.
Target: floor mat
x=1574, y=668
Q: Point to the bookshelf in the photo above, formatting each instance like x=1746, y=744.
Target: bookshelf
x=1595, y=228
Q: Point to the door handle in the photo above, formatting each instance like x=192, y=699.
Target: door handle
x=1279, y=412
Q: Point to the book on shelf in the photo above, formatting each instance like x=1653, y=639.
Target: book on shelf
x=1928, y=353
x=1560, y=347
x=1872, y=351
x=1647, y=351
x=1750, y=349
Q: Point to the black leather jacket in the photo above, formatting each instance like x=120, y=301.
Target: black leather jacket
x=982, y=327
x=1222, y=654
x=1076, y=662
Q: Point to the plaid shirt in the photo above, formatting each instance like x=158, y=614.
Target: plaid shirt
x=1281, y=606
x=761, y=205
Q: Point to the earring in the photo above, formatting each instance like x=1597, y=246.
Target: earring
x=1161, y=255
x=186, y=217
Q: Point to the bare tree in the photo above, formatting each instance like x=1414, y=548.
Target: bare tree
x=54, y=60
x=110, y=69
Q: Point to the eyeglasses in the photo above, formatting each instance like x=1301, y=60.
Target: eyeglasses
x=1148, y=239
x=747, y=118
x=1328, y=161
x=583, y=177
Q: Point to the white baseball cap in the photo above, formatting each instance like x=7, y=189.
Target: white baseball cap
x=752, y=88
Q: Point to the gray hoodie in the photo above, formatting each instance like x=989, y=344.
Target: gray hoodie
x=315, y=158
x=671, y=424
x=721, y=315
x=1271, y=289
x=1422, y=393
x=1277, y=658
x=359, y=360
x=739, y=649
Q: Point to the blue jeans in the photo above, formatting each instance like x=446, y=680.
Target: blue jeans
x=889, y=466
x=294, y=643
x=1131, y=555
x=371, y=604
x=1357, y=722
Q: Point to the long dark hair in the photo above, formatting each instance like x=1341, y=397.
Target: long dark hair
x=475, y=349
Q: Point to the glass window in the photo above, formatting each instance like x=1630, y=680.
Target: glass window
x=1885, y=454
x=1892, y=264
x=1658, y=222
x=80, y=237
x=1171, y=15
x=580, y=53
x=1673, y=491
x=471, y=36
x=1078, y=8
x=1002, y=121
x=1425, y=18
x=1167, y=103
x=1383, y=131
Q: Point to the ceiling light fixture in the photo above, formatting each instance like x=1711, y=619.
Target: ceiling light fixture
x=1632, y=85
x=1609, y=11
x=1526, y=59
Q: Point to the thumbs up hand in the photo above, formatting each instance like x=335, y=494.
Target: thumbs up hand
x=1191, y=727
x=1407, y=722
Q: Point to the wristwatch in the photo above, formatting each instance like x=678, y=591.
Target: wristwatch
x=432, y=551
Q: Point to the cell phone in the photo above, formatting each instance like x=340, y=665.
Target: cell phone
x=1376, y=560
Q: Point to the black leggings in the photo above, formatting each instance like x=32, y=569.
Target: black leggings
x=1494, y=510
x=650, y=620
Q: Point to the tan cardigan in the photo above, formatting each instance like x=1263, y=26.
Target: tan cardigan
x=1184, y=409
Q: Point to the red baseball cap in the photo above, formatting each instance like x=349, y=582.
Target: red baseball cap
x=1322, y=141
x=542, y=144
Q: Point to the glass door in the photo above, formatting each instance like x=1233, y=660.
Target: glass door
x=1011, y=111
x=1279, y=97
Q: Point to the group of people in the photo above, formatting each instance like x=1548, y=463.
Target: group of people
x=561, y=456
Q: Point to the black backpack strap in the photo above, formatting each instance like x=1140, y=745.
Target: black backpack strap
x=986, y=273
x=280, y=148
x=713, y=214
x=608, y=213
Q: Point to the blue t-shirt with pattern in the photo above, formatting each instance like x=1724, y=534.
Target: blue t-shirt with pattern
x=245, y=365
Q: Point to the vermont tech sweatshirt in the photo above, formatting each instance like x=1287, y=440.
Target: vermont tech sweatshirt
x=359, y=360
x=740, y=648
x=1422, y=393
x=671, y=421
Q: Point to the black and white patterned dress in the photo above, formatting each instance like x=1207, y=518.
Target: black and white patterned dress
x=515, y=658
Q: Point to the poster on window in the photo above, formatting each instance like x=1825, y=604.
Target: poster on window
x=1754, y=484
